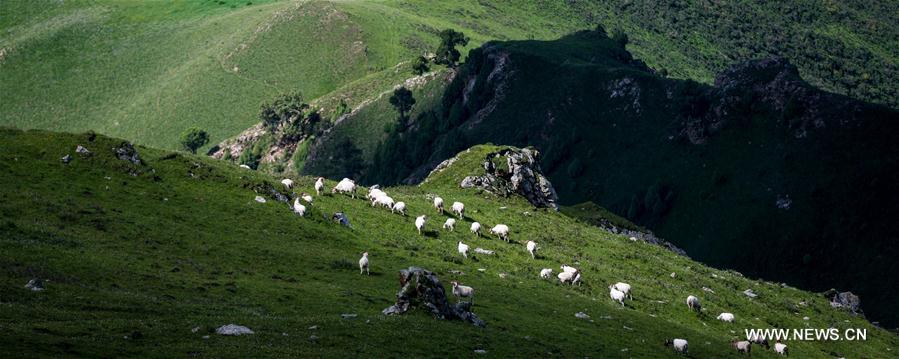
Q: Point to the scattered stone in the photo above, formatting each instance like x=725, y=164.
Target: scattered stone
x=36, y=285
x=784, y=202
x=422, y=288
x=260, y=199
x=348, y=316
x=707, y=289
x=233, y=329
x=205, y=337
x=126, y=152
x=195, y=329
x=503, y=207
x=457, y=272
x=581, y=315
x=749, y=293
x=480, y=250
x=284, y=334
x=805, y=318
x=341, y=218
x=314, y=327
x=847, y=300
x=503, y=275
x=82, y=150
x=633, y=239
x=673, y=275
x=66, y=159
x=480, y=351
x=313, y=338
x=481, y=270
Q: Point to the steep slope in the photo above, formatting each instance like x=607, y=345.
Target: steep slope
x=134, y=257
x=761, y=172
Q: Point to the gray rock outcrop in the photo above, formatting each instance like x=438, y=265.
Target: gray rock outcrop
x=848, y=301
x=422, y=288
x=514, y=171
x=233, y=329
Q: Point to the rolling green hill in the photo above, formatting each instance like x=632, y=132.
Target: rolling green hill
x=146, y=260
x=146, y=70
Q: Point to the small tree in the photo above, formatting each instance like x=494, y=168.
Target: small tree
x=284, y=107
x=194, y=138
x=402, y=100
x=446, y=52
x=420, y=66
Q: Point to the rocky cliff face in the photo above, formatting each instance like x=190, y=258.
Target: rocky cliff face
x=511, y=171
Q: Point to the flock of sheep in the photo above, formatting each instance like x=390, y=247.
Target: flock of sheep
x=618, y=292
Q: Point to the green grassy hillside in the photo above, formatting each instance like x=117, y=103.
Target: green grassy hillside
x=762, y=164
x=146, y=70
x=133, y=263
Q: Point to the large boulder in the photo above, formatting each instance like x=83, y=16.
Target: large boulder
x=846, y=300
x=515, y=171
x=421, y=288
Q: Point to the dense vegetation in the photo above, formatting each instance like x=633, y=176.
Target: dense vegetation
x=763, y=165
x=146, y=260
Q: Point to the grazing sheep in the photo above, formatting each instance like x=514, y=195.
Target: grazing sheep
x=462, y=291
x=568, y=268
x=616, y=295
x=449, y=224
x=345, y=185
x=463, y=249
x=319, y=185
x=476, y=228
x=502, y=231
x=624, y=288
x=298, y=207
x=577, y=279
x=383, y=201
x=781, y=348
x=546, y=272
x=374, y=192
x=287, y=182
x=399, y=207
x=760, y=340
x=420, y=223
x=567, y=277
x=693, y=304
x=743, y=346
x=459, y=209
x=726, y=317
x=306, y=197
x=532, y=247
x=438, y=204
x=363, y=264
x=680, y=345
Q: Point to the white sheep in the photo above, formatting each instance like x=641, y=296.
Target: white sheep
x=693, y=303
x=462, y=291
x=755, y=338
x=374, y=192
x=383, y=201
x=298, y=207
x=363, y=264
x=420, y=223
x=306, y=197
x=532, y=247
x=680, y=345
x=463, y=249
x=624, y=288
x=502, y=231
x=449, y=224
x=287, y=182
x=399, y=207
x=459, y=209
x=319, y=185
x=726, y=317
x=568, y=268
x=546, y=272
x=345, y=185
x=781, y=348
x=476, y=228
x=567, y=277
x=438, y=204
x=616, y=295
x=743, y=346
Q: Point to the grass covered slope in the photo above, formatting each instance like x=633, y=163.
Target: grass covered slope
x=133, y=263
